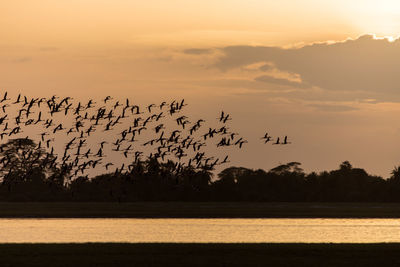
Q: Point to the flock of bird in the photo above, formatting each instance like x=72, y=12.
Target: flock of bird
x=156, y=131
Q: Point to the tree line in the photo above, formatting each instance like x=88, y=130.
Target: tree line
x=151, y=180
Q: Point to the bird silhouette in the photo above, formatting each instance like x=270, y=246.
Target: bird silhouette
x=121, y=128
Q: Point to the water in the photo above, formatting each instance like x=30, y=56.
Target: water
x=199, y=230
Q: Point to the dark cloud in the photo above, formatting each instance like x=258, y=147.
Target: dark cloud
x=366, y=65
x=266, y=67
x=197, y=51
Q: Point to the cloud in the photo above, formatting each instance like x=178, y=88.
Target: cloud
x=281, y=81
x=266, y=67
x=23, y=59
x=197, y=51
x=48, y=48
x=333, y=107
x=367, y=66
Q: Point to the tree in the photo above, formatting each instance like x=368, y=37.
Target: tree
x=22, y=160
x=288, y=167
x=396, y=173
x=345, y=166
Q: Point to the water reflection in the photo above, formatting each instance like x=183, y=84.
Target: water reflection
x=199, y=230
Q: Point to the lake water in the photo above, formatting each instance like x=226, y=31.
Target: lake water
x=199, y=230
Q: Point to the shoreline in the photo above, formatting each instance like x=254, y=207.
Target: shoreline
x=197, y=210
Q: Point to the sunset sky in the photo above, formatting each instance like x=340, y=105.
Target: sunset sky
x=325, y=73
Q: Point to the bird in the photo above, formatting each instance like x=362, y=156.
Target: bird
x=268, y=139
x=285, y=142
x=4, y=97
x=120, y=128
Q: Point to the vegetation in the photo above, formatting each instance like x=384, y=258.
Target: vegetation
x=180, y=254
x=152, y=209
x=153, y=181
x=31, y=174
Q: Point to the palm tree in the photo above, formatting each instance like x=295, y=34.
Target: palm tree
x=396, y=173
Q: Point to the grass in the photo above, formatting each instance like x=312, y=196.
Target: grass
x=168, y=254
x=197, y=210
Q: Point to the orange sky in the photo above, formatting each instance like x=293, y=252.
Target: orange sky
x=337, y=102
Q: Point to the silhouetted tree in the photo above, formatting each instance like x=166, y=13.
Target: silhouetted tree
x=27, y=168
x=395, y=173
x=288, y=167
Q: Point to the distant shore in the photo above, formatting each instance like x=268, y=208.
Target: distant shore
x=197, y=210
x=169, y=254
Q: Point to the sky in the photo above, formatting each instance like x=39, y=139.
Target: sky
x=324, y=73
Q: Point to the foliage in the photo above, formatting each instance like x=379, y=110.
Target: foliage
x=30, y=173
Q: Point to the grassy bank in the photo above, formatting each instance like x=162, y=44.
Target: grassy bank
x=199, y=210
x=96, y=254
